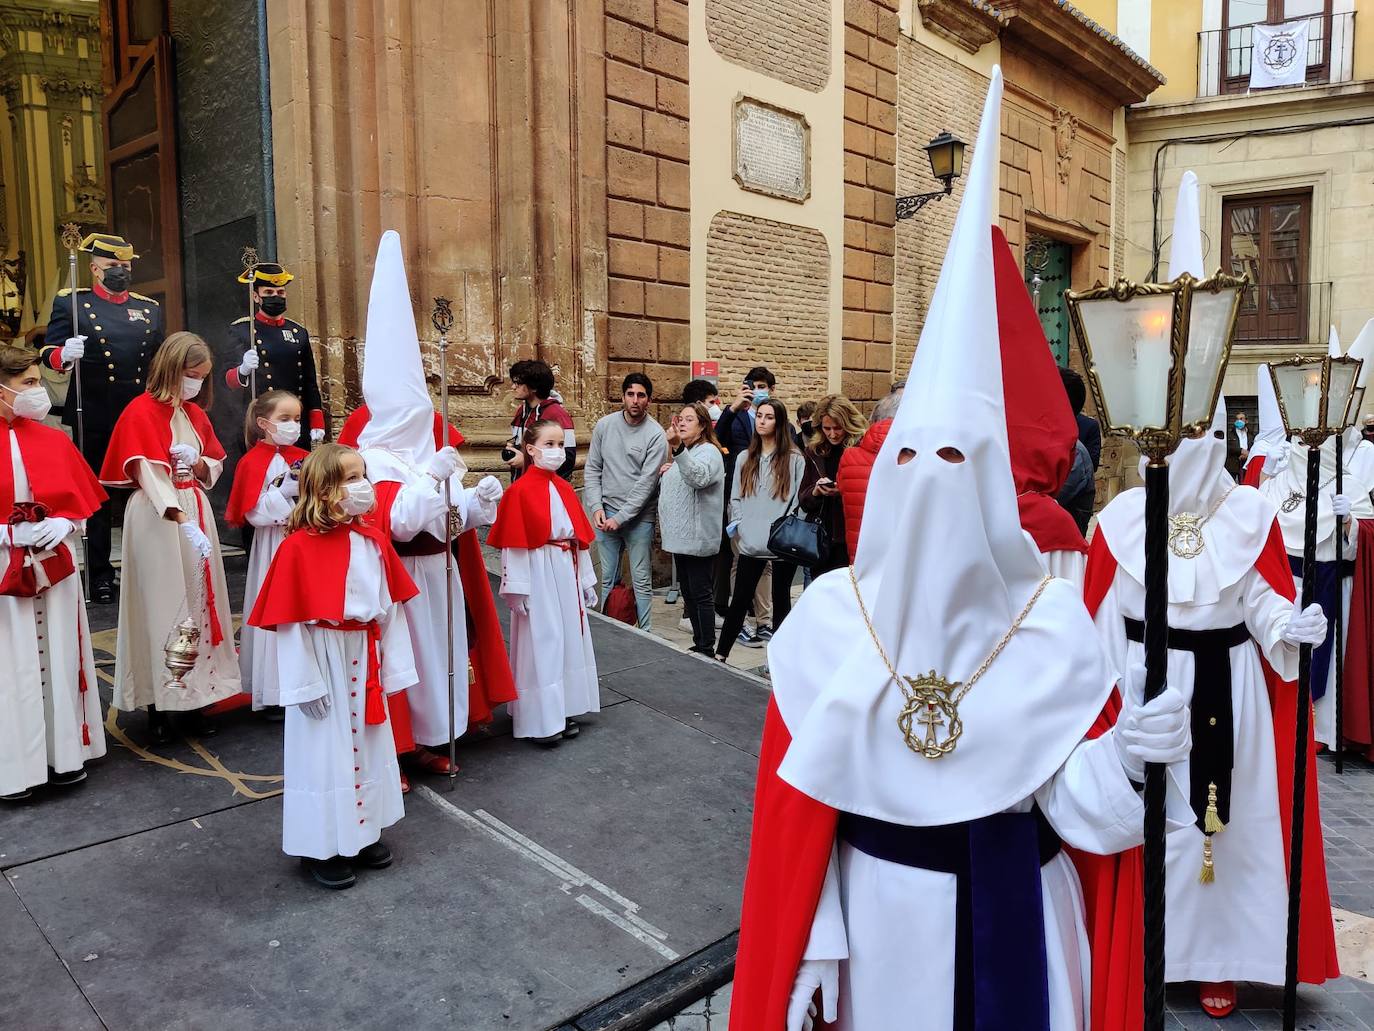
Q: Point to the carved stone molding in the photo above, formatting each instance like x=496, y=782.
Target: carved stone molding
x=1065, y=132
x=63, y=88
x=968, y=23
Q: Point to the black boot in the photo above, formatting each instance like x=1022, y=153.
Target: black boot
x=336, y=873
x=159, y=726
x=194, y=723
x=376, y=856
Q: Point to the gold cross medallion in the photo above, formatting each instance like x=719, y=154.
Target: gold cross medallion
x=1291, y=503
x=1185, y=535
x=930, y=703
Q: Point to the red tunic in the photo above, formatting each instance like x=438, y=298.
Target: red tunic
x=59, y=478
x=251, y=474
x=144, y=430
x=524, y=519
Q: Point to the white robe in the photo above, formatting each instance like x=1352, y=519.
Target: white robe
x=343, y=786
x=45, y=643
x=551, y=645
x=1067, y=565
x=1232, y=929
x=157, y=576
x=257, y=648
x=419, y=508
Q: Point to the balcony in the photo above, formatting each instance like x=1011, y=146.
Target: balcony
x=1224, y=55
x=1285, y=315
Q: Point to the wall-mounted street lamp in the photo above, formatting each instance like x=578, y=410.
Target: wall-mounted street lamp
x=946, y=154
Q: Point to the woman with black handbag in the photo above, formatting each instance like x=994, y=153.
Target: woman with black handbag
x=838, y=426
x=763, y=493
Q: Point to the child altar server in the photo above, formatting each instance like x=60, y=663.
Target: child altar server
x=549, y=582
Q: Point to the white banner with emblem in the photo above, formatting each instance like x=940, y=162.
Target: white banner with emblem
x=1280, y=55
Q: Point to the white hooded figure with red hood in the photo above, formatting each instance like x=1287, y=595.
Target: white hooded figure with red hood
x=1231, y=611
x=924, y=754
x=409, y=472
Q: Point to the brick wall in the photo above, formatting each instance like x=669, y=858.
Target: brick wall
x=786, y=39
x=647, y=193
x=768, y=303
x=870, y=155
x=1118, y=214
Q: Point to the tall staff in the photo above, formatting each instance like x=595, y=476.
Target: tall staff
x=442, y=320
x=1338, y=652
x=250, y=269
x=71, y=239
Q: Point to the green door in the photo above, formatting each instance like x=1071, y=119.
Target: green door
x=1047, y=267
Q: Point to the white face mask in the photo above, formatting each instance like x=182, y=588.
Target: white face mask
x=358, y=498
x=549, y=459
x=32, y=403
x=283, y=434
x=715, y=412
x=190, y=387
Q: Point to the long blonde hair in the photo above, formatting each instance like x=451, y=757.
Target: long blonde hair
x=322, y=489
x=179, y=352
x=844, y=412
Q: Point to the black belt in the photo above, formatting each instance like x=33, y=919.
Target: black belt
x=1001, y=973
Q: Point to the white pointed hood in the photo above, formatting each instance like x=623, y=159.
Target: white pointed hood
x=394, y=388
x=943, y=568
x=1271, y=436
x=1360, y=452
x=1185, y=253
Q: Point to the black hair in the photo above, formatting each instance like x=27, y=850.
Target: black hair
x=638, y=379
x=1074, y=387
x=760, y=372
x=698, y=390
x=534, y=374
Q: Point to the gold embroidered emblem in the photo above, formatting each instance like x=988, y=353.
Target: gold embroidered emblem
x=930, y=702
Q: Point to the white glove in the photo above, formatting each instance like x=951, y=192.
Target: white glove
x=1306, y=626
x=51, y=532
x=1340, y=504
x=316, y=436
x=519, y=604
x=24, y=535
x=590, y=597
x=184, y=454
x=1277, y=460
x=443, y=465
x=195, y=537
x=1157, y=731
x=72, y=349
x=250, y=362
x=316, y=708
x=811, y=975
x=489, y=489
x=290, y=487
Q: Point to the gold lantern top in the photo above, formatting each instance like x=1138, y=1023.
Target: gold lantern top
x=1315, y=395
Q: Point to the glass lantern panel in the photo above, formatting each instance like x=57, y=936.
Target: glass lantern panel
x=941, y=158
x=1342, y=385
x=1207, y=337
x=1129, y=341
x=1300, y=390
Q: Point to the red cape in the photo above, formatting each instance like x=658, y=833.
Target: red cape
x=1041, y=429
x=1358, y=725
x=251, y=474
x=493, y=682
x=524, y=518
x=1113, y=887
x=309, y=574
x=59, y=478
x=144, y=430
x=1252, y=475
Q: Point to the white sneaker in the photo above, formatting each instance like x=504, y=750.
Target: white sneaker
x=685, y=624
x=720, y=622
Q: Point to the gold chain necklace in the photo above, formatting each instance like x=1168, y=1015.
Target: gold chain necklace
x=1185, y=530
x=931, y=700
x=1297, y=497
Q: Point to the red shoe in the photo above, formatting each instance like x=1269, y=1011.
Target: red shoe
x=405, y=783
x=431, y=762
x=1218, y=998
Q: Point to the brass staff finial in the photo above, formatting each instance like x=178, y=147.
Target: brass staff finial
x=442, y=319
x=249, y=258
x=71, y=236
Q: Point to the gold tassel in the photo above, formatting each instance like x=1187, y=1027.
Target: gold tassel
x=1209, y=872
x=472, y=673
x=1211, y=820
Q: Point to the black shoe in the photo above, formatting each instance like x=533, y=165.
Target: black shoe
x=159, y=726
x=274, y=713
x=375, y=857
x=336, y=873
x=17, y=796
x=549, y=742
x=194, y=723
x=67, y=779
x=103, y=592
x=572, y=729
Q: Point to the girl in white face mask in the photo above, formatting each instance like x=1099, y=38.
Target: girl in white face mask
x=548, y=580
x=266, y=486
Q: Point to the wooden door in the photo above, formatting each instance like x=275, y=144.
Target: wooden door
x=1268, y=238
x=141, y=175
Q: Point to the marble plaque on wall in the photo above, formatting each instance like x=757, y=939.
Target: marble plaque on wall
x=772, y=150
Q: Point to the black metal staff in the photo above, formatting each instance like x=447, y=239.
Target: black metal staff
x=250, y=270
x=442, y=320
x=1338, y=646
x=71, y=239
x=1156, y=664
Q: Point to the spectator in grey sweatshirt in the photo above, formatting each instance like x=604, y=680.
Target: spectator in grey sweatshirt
x=621, y=478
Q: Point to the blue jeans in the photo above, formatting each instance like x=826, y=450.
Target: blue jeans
x=636, y=537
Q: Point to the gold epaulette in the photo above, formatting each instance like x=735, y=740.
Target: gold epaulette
x=239, y=321
x=66, y=291
x=152, y=300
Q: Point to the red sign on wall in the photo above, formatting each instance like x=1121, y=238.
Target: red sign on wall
x=707, y=370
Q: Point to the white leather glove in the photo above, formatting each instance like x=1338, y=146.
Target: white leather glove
x=1157, y=731
x=184, y=454
x=316, y=708
x=195, y=537
x=811, y=975
x=489, y=489
x=1277, y=460
x=316, y=436
x=1340, y=504
x=590, y=597
x=519, y=604
x=51, y=532
x=250, y=362
x=290, y=487
x=1306, y=625
x=24, y=535
x=443, y=465
x=73, y=348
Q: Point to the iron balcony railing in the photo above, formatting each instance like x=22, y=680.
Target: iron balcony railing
x=1224, y=55
x=1284, y=313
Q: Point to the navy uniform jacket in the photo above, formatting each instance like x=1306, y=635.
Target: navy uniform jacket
x=286, y=363
x=121, y=339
